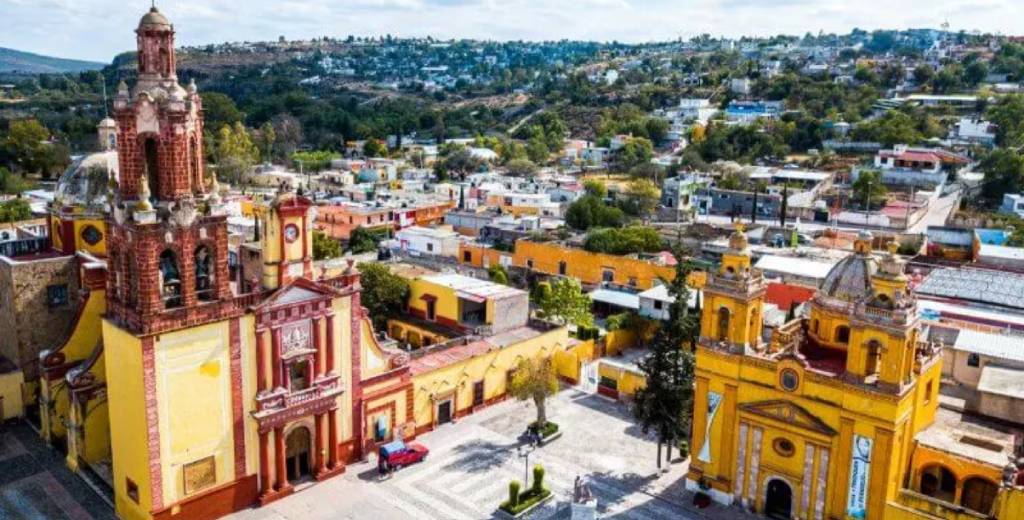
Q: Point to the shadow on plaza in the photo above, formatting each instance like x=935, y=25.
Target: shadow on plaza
x=481, y=455
x=615, y=409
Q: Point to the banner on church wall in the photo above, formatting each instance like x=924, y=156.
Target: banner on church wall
x=860, y=469
x=714, y=399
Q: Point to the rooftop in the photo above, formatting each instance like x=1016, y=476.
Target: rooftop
x=976, y=285
x=1002, y=346
x=471, y=286
x=969, y=436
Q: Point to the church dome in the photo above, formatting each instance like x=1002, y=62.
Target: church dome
x=85, y=182
x=154, y=19
x=850, y=279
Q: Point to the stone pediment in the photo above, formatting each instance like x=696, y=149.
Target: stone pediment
x=298, y=291
x=789, y=413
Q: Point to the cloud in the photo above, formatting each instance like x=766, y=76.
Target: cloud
x=99, y=29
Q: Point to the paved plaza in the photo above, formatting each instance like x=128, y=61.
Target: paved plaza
x=36, y=485
x=467, y=473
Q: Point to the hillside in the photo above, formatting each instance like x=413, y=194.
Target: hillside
x=12, y=61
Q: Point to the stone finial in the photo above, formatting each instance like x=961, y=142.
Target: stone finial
x=214, y=189
x=192, y=89
x=144, y=195
x=122, y=89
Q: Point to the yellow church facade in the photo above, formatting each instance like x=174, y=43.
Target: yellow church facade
x=835, y=415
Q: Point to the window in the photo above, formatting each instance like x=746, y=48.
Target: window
x=658, y=305
x=467, y=256
x=973, y=360
x=57, y=295
x=91, y=235
x=430, y=248
x=842, y=334
x=478, y=393
x=298, y=376
x=632, y=281
x=131, y=489
x=783, y=447
x=608, y=275
x=563, y=268
x=152, y=167
x=874, y=357
x=979, y=494
x=431, y=310
x=723, y=324
x=170, y=280
x=529, y=263
x=928, y=393
x=608, y=383
x=789, y=379
x=204, y=274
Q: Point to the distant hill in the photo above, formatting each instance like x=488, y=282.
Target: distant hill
x=12, y=61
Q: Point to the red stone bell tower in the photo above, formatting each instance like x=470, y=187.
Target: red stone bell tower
x=168, y=232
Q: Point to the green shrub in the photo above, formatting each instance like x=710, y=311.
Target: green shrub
x=684, y=448
x=538, y=479
x=513, y=493
x=549, y=429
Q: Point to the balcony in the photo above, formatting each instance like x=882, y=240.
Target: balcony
x=278, y=406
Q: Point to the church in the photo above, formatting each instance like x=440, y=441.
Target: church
x=837, y=414
x=193, y=391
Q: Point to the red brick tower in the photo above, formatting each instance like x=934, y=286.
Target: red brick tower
x=168, y=235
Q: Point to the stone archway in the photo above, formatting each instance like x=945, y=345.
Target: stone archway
x=778, y=499
x=299, y=454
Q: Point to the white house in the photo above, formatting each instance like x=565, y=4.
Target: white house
x=654, y=302
x=439, y=241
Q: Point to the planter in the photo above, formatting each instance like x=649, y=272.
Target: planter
x=550, y=438
x=505, y=514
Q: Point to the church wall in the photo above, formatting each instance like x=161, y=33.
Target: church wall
x=128, y=430
x=343, y=351
x=193, y=399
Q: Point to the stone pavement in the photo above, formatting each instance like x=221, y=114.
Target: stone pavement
x=36, y=485
x=467, y=473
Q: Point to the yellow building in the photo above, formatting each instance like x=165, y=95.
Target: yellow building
x=554, y=258
x=837, y=416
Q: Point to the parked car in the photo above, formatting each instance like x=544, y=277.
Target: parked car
x=396, y=454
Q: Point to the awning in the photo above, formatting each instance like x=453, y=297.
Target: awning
x=428, y=298
x=471, y=297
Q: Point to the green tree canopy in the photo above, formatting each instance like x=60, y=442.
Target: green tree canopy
x=15, y=210
x=384, y=293
x=869, y=188
x=325, y=247
x=535, y=379
x=564, y=302
x=624, y=240
x=235, y=153
x=1004, y=173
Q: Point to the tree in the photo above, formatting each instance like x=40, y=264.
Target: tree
x=498, y=274
x=893, y=128
x=220, y=110
x=12, y=183
x=235, y=153
x=15, y=210
x=374, y=148
x=635, y=151
x=265, y=141
x=535, y=379
x=363, y=240
x=384, y=293
x=665, y=403
x=624, y=241
x=591, y=211
x=30, y=151
x=784, y=206
x=288, y=131
x=1008, y=116
x=642, y=196
x=325, y=247
x=1004, y=173
x=923, y=74
x=521, y=168
x=868, y=188
x=566, y=303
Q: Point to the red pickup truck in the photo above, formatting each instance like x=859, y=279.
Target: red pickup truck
x=394, y=455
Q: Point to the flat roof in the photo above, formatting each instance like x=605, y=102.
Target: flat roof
x=1003, y=381
x=1002, y=346
x=795, y=266
x=617, y=298
x=472, y=286
x=969, y=436
x=1004, y=252
x=978, y=285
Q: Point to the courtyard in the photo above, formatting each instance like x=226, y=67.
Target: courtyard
x=472, y=461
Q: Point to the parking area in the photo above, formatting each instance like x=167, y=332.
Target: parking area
x=36, y=485
x=471, y=462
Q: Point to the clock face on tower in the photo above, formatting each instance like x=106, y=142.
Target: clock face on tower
x=291, y=232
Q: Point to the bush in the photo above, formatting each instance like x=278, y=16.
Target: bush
x=623, y=241
x=523, y=500
x=548, y=430
x=538, y=479
x=513, y=493
x=684, y=449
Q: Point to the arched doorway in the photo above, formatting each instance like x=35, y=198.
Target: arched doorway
x=778, y=500
x=297, y=453
x=939, y=482
x=979, y=494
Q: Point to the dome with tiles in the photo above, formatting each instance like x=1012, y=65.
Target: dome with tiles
x=850, y=279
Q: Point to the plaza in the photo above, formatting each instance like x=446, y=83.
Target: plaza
x=472, y=461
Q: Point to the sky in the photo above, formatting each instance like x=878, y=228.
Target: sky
x=100, y=29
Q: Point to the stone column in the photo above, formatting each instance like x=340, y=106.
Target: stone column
x=321, y=446
x=275, y=357
x=261, y=361
x=279, y=458
x=332, y=438
x=330, y=343
x=266, y=478
x=318, y=345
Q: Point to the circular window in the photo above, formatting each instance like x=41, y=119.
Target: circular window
x=783, y=447
x=789, y=379
x=91, y=235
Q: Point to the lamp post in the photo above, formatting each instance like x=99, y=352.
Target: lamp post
x=524, y=453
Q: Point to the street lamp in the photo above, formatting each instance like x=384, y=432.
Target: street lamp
x=524, y=453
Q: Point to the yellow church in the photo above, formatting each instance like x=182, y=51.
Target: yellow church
x=194, y=388
x=836, y=415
